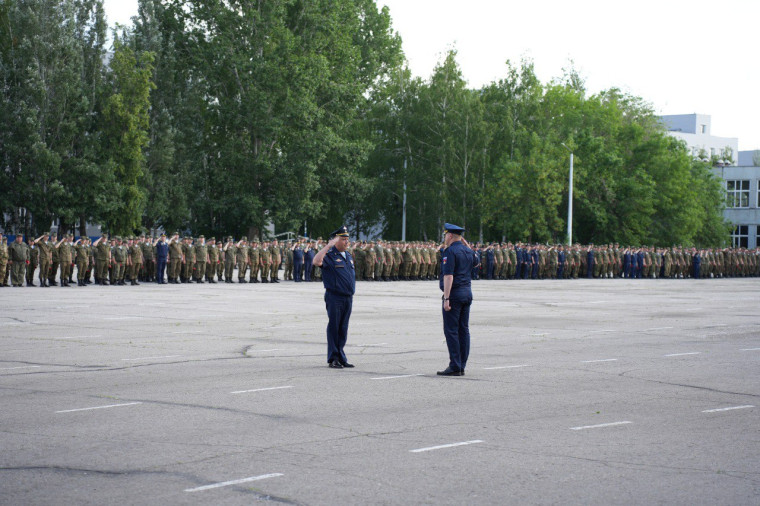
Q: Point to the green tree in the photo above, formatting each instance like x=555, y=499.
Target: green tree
x=125, y=134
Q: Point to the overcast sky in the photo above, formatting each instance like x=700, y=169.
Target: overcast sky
x=681, y=56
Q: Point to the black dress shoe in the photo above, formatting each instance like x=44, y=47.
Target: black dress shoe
x=334, y=364
x=346, y=364
x=450, y=372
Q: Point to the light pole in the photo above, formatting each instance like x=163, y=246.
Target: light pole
x=403, y=215
x=570, y=201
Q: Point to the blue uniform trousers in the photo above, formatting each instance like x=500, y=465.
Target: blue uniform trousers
x=297, y=268
x=338, y=314
x=456, y=328
x=307, y=270
x=160, y=270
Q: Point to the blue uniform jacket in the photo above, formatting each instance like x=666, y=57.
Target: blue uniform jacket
x=458, y=260
x=162, y=251
x=338, y=273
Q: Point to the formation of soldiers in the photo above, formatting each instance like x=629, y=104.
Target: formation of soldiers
x=131, y=260
x=536, y=261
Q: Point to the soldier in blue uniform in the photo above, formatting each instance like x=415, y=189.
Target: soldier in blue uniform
x=308, y=258
x=162, y=255
x=339, y=279
x=297, y=262
x=456, y=284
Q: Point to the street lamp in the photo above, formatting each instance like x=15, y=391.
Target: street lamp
x=570, y=201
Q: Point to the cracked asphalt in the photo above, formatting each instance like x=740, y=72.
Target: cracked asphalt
x=577, y=392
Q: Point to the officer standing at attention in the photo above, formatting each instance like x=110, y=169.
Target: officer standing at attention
x=456, y=278
x=162, y=255
x=339, y=280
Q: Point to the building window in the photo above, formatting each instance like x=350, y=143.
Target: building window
x=737, y=193
x=703, y=128
x=740, y=236
x=758, y=201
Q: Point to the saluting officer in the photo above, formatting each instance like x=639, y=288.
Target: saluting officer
x=339, y=280
x=455, y=282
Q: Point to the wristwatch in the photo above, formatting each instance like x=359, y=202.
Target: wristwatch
x=443, y=297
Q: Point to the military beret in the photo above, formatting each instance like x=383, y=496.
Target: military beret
x=142, y=236
x=230, y=238
x=212, y=239
x=341, y=232
x=201, y=237
x=244, y=238
x=454, y=229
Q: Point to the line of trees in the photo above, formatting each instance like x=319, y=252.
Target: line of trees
x=222, y=116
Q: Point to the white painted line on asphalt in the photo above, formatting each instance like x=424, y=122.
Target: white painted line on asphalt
x=122, y=317
x=596, y=302
x=188, y=332
x=394, y=377
x=682, y=354
x=505, y=367
x=149, y=358
x=234, y=482
x=716, y=325
x=727, y=409
x=599, y=426
x=600, y=360
x=751, y=349
x=450, y=445
x=20, y=367
x=540, y=335
x=99, y=407
x=657, y=328
x=600, y=331
x=370, y=345
x=262, y=351
x=260, y=390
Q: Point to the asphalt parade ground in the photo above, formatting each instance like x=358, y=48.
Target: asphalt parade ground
x=576, y=392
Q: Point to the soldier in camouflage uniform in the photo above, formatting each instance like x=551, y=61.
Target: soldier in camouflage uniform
x=176, y=258
x=53, y=273
x=287, y=260
x=149, y=259
x=241, y=249
x=265, y=258
x=82, y=259
x=212, y=257
x=3, y=259
x=275, y=258
x=387, y=262
x=64, y=258
x=230, y=257
x=135, y=253
x=18, y=256
x=254, y=257
x=201, y=259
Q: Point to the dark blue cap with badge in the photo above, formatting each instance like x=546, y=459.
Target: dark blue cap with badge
x=341, y=232
x=454, y=229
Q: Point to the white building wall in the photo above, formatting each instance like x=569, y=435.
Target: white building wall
x=694, y=129
x=749, y=215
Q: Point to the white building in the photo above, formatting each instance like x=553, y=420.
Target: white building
x=694, y=129
x=742, y=203
x=740, y=174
